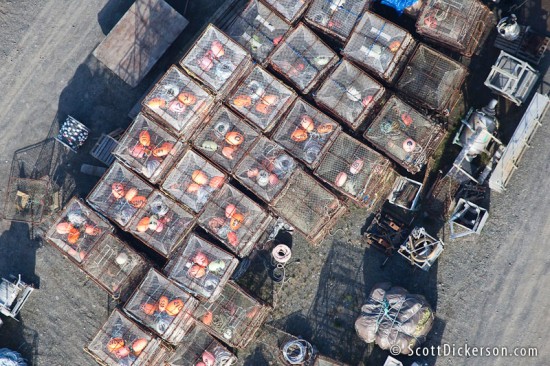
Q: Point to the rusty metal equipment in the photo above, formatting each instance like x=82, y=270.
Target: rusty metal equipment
x=421, y=249
x=521, y=41
x=13, y=295
x=386, y=232
x=406, y=193
x=337, y=18
x=290, y=10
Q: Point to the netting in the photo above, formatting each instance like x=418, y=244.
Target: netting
x=234, y=219
x=178, y=102
x=349, y=93
x=201, y=267
x=335, y=17
x=302, y=58
x=119, y=194
x=77, y=229
x=291, y=10
x=404, y=134
x=306, y=133
x=193, y=181
x=261, y=98
x=163, y=307
x=432, y=79
x=26, y=199
x=265, y=169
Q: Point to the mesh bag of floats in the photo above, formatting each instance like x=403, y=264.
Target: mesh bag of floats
x=201, y=267
x=216, y=60
x=77, y=229
x=234, y=317
x=404, y=134
x=349, y=93
x=148, y=149
x=258, y=29
x=306, y=132
x=160, y=305
x=261, y=98
x=357, y=171
x=178, y=102
x=432, y=79
x=265, y=169
x=119, y=194
x=122, y=342
x=193, y=181
x=26, y=199
x=235, y=220
x=161, y=224
x=392, y=317
x=379, y=46
x=290, y=10
x=225, y=138
x=302, y=58
x=335, y=17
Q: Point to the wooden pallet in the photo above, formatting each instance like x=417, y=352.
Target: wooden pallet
x=102, y=150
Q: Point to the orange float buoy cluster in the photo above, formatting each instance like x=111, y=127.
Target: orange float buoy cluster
x=216, y=51
x=121, y=349
x=233, y=221
x=74, y=227
x=307, y=126
x=199, y=263
x=263, y=105
x=201, y=180
x=149, y=154
x=131, y=195
x=164, y=305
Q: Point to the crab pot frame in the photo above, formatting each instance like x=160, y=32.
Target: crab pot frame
x=379, y=46
x=290, y=10
x=178, y=102
x=234, y=317
x=161, y=224
x=26, y=199
x=201, y=268
x=302, y=58
x=265, y=169
x=405, y=135
x=160, y=305
x=77, y=229
x=193, y=181
x=306, y=132
x=350, y=94
x=236, y=220
x=432, y=79
x=261, y=98
x=216, y=60
x=357, y=171
x=119, y=194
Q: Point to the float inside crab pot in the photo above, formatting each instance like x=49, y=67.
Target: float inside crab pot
x=335, y=17
x=290, y=10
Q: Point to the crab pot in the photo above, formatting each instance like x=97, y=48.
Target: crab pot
x=261, y=98
x=236, y=220
x=161, y=224
x=357, y=171
x=379, y=46
x=148, y=149
x=457, y=24
x=77, y=229
x=302, y=58
x=178, y=102
x=258, y=29
x=163, y=307
x=405, y=135
x=216, y=60
x=234, y=317
x=290, y=10
x=119, y=194
x=26, y=200
x=306, y=133
x=432, y=79
x=201, y=267
x=225, y=138
x=308, y=206
x=335, y=17
x=122, y=342
x=265, y=169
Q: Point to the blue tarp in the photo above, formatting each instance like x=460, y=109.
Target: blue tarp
x=399, y=5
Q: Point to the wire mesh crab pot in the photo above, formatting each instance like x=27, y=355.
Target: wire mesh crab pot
x=161, y=224
x=234, y=317
x=379, y=46
x=350, y=94
x=119, y=194
x=26, y=199
x=201, y=267
x=261, y=98
x=216, y=60
x=357, y=171
x=163, y=307
x=306, y=133
x=77, y=229
x=335, y=17
x=236, y=220
x=405, y=135
x=290, y=10
x=148, y=149
x=122, y=342
x=432, y=79
x=178, y=102
x=302, y=58
x=265, y=169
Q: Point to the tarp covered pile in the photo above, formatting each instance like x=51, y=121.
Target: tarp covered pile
x=11, y=358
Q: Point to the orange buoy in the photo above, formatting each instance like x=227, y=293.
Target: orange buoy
x=201, y=259
x=394, y=46
x=122, y=352
x=138, y=201
x=92, y=230
x=230, y=209
x=325, y=128
x=139, y=345
x=145, y=138
x=163, y=302
x=232, y=238
x=341, y=179
x=307, y=123
x=148, y=308
x=407, y=119
x=187, y=98
x=234, y=138
x=263, y=108
x=196, y=271
x=299, y=135
x=73, y=236
x=242, y=101
x=236, y=221
x=217, y=49
x=174, y=307
x=207, y=318
x=114, y=344
x=164, y=149
x=143, y=224
x=156, y=103
x=269, y=100
x=117, y=189
x=130, y=194
x=228, y=151
x=63, y=228
x=199, y=177
x=217, y=182
x=193, y=188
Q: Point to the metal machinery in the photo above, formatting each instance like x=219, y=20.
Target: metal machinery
x=421, y=249
x=467, y=218
x=406, y=193
x=13, y=296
